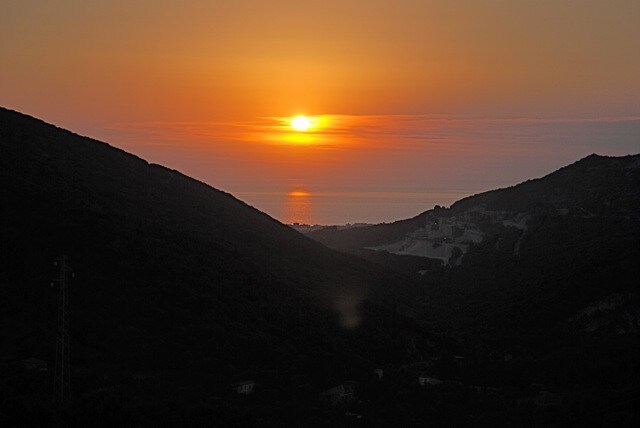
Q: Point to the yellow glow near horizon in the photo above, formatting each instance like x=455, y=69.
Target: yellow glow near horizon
x=319, y=130
x=300, y=123
x=298, y=194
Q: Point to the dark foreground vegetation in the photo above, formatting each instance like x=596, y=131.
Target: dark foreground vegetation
x=190, y=308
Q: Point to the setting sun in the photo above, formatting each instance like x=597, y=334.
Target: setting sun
x=300, y=123
x=346, y=212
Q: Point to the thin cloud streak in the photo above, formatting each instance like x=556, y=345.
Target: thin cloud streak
x=397, y=132
x=372, y=153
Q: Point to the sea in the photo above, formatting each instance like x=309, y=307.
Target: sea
x=340, y=208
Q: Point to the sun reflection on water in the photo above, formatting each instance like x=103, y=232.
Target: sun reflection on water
x=298, y=207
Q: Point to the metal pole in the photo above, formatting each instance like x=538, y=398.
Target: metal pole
x=62, y=375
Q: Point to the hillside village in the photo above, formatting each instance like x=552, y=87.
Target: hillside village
x=445, y=238
x=442, y=238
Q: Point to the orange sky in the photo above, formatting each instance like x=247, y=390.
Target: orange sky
x=424, y=95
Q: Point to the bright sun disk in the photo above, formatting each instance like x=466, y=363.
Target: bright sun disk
x=300, y=123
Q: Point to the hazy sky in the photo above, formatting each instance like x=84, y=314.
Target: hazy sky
x=419, y=95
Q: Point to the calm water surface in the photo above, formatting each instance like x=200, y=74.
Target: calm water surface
x=302, y=206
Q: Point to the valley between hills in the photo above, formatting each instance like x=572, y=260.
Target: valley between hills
x=189, y=306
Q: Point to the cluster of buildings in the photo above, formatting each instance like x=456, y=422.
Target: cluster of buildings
x=440, y=238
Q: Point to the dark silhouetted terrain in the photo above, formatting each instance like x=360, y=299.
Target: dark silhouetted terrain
x=516, y=306
x=545, y=272
x=178, y=285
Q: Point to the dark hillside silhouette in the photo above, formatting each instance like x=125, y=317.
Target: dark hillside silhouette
x=553, y=280
x=191, y=308
x=179, y=286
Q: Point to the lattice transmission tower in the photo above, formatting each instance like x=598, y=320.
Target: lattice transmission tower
x=62, y=373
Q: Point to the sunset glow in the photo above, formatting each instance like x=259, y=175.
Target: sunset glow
x=325, y=213
x=361, y=96
x=300, y=123
x=298, y=194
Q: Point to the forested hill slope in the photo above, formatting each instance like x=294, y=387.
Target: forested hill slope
x=594, y=186
x=546, y=249
x=175, y=281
